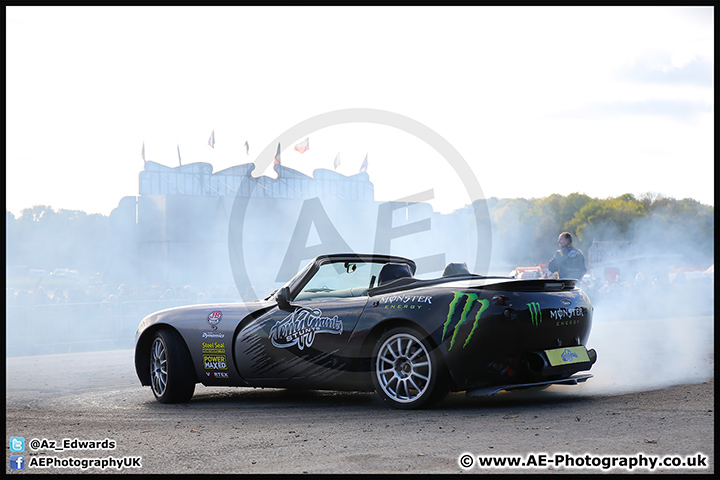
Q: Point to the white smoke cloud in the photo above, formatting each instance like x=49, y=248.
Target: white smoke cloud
x=648, y=334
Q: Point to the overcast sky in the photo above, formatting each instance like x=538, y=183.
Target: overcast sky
x=601, y=101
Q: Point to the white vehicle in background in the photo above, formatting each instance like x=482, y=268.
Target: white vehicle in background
x=65, y=273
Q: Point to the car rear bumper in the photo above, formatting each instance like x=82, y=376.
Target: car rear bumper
x=487, y=391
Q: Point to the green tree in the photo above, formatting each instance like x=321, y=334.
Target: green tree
x=561, y=209
x=607, y=219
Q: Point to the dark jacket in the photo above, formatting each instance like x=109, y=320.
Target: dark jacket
x=569, y=262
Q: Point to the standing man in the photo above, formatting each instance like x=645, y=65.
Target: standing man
x=569, y=262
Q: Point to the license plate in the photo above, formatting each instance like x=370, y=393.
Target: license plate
x=567, y=355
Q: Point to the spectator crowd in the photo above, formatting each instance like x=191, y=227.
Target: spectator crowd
x=96, y=291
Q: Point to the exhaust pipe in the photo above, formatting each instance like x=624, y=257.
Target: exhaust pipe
x=593, y=356
x=536, y=363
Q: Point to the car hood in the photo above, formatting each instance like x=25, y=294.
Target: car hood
x=212, y=316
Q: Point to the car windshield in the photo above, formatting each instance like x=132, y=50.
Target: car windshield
x=341, y=279
x=342, y=275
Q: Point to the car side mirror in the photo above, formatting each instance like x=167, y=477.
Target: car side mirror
x=283, y=298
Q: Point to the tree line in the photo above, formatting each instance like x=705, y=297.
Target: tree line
x=46, y=239
x=524, y=230
x=528, y=229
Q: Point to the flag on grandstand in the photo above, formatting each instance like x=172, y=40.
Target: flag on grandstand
x=337, y=160
x=363, y=167
x=211, y=140
x=143, y=151
x=303, y=146
x=247, y=148
x=277, y=156
x=179, y=157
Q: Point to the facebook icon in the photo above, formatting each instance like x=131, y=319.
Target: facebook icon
x=17, y=462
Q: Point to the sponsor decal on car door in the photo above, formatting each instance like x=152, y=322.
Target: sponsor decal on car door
x=298, y=344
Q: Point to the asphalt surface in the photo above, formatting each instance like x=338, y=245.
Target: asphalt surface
x=96, y=396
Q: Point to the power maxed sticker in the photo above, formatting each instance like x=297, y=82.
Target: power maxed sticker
x=214, y=358
x=215, y=362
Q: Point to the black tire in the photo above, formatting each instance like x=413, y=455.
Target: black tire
x=172, y=377
x=407, y=371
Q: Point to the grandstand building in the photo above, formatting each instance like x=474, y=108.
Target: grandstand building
x=189, y=225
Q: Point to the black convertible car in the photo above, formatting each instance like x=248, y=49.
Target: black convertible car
x=364, y=323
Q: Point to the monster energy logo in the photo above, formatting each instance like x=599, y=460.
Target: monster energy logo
x=535, y=313
x=470, y=301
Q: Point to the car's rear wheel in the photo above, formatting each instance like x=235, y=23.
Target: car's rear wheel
x=171, y=373
x=407, y=371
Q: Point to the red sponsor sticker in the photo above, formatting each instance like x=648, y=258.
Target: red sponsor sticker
x=214, y=317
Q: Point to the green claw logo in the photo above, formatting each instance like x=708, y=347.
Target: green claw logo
x=535, y=313
x=469, y=303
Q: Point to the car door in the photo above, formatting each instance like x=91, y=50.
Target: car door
x=302, y=344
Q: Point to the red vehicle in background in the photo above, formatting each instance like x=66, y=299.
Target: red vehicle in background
x=527, y=272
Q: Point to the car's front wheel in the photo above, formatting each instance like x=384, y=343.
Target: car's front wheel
x=407, y=371
x=172, y=378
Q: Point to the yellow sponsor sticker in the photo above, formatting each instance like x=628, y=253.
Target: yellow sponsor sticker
x=567, y=355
